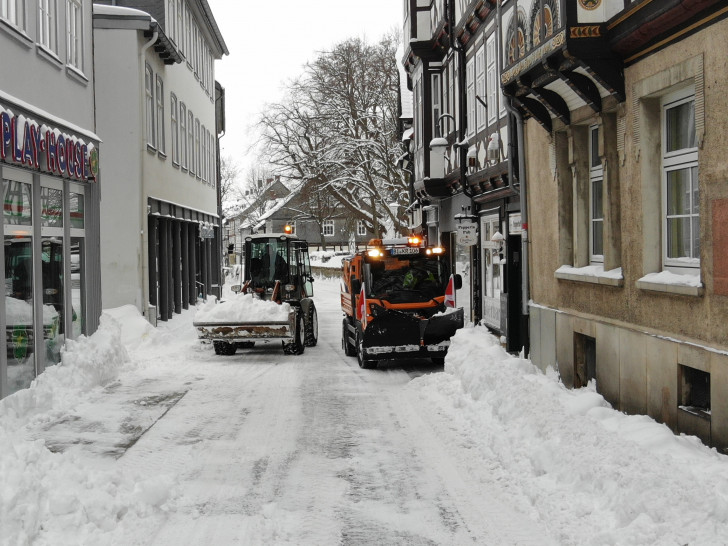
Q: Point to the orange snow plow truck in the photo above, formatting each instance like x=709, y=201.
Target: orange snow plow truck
x=398, y=299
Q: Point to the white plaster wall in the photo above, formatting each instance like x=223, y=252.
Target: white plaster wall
x=162, y=180
x=120, y=128
x=23, y=66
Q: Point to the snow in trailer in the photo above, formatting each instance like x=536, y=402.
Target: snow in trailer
x=143, y=435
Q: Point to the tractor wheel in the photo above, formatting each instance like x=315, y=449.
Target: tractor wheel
x=224, y=348
x=364, y=363
x=296, y=346
x=349, y=349
x=311, y=337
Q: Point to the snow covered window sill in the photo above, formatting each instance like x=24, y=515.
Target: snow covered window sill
x=672, y=283
x=594, y=274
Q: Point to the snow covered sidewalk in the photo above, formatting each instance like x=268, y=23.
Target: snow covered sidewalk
x=591, y=474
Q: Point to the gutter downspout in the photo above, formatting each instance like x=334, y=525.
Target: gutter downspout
x=144, y=256
x=522, y=182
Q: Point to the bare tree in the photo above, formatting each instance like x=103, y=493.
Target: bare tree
x=336, y=133
x=229, y=173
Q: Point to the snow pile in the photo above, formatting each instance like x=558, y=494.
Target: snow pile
x=44, y=494
x=86, y=363
x=586, y=470
x=242, y=308
x=667, y=277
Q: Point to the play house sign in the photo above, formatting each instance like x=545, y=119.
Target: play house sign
x=27, y=143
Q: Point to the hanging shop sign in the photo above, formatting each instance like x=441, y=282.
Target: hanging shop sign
x=467, y=233
x=27, y=143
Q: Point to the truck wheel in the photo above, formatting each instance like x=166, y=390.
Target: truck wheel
x=296, y=346
x=349, y=349
x=311, y=338
x=364, y=363
x=224, y=348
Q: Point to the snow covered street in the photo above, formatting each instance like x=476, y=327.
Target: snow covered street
x=145, y=436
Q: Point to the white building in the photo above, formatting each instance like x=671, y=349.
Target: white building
x=49, y=171
x=156, y=111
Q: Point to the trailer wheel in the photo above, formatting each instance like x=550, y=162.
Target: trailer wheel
x=224, y=348
x=364, y=363
x=311, y=338
x=296, y=346
x=349, y=349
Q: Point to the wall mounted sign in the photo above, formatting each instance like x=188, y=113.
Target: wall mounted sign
x=25, y=142
x=467, y=233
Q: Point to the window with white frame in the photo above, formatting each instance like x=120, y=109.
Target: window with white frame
x=47, y=20
x=74, y=34
x=180, y=25
x=203, y=144
x=480, y=86
x=470, y=95
x=680, y=188
x=191, y=141
x=419, y=112
x=445, y=124
x=361, y=228
x=492, y=78
x=13, y=12
x=596, y=201
x=436, y=106
x=149, y=105
x=198, y=151
x=183, y=135
x=451, y=91
x=174, y=126
x=171, y=20
x=159, y=115
x=328, y=228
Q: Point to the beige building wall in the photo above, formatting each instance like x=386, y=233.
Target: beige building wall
x=643, y=332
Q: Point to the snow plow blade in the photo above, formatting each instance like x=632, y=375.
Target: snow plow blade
x=242, y=331
x=394, y=334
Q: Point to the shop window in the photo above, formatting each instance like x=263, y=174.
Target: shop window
x=585, y=360
x=19, y=308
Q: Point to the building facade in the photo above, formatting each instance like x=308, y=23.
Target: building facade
x=467, y=189
x=628, y=222
x=49, y=166
x=159, y=115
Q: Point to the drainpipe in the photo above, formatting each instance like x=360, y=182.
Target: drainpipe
x=144, y=299
x=522, y=183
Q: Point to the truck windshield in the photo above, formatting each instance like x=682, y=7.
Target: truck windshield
x=410, y=279
x=268, y=262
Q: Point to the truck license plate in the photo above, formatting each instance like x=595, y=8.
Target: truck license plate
x=405, y=251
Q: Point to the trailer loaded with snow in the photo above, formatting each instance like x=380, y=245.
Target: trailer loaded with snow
x=274, y=303
x=398, y=299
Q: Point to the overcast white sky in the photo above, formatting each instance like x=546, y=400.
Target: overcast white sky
x=270, y=41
